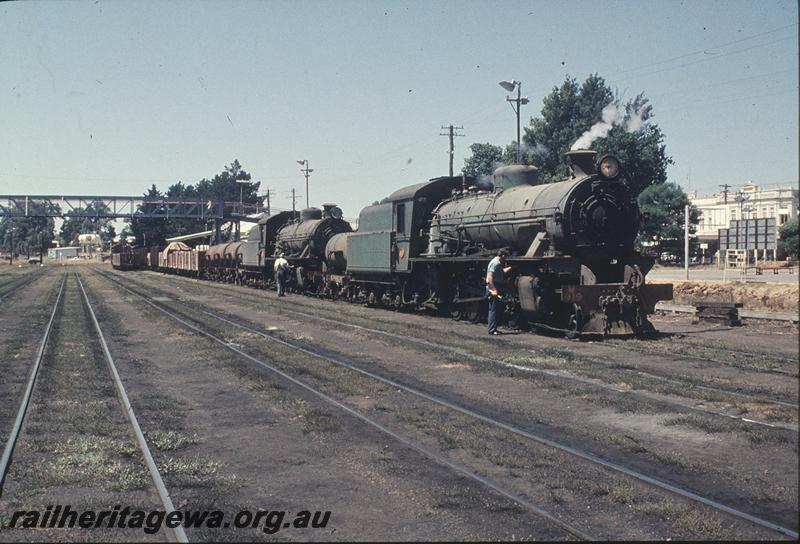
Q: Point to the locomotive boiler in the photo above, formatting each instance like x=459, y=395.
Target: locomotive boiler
x=306, y=238
x=590, y=215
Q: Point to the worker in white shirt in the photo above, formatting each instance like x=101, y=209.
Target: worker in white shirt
x=281, y=274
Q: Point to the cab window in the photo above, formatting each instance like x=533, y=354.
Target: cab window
x=400, y=210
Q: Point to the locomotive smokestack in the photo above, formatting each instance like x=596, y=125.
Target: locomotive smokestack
x=581, y=162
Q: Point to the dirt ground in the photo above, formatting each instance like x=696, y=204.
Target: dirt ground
x=682, y=440
x=253, y=441
x=776, y=297
x=75, y=447
x=709, y=408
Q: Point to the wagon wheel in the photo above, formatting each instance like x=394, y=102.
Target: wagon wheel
x=514, y=318
x=575, y=323
x=474, y=313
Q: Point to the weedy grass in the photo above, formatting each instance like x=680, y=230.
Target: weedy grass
x=451, y=497
x=195, y=472
x=383, y=455
x=756, y=435
x=316, y=420
x=170, y=440
x=688, y=522
x=90, y=466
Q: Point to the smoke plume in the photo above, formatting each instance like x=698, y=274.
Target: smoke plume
x=601, y=129
x=485, y=182
x=635, y=121
x=611, y=117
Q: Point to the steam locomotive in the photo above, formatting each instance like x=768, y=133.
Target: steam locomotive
x=571, y=246
x=426, y=246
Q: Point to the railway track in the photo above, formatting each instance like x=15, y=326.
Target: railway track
x=650, y=375
x=11, y=441
x=196, y=326
x=10, y=287
x=742, y=355
x=588, y=380
x=455, y=467
x=34, y=379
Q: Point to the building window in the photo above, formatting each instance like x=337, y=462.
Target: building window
x=783, y=218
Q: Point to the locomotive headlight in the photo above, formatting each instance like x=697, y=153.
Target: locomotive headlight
x=608, y=167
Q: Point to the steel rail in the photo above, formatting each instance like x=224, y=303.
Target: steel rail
x=564, y=376
x=460, y=469
x=163, y=493
x=16, y=283
x=685, y=493
x=516, y=430
x=778, y=358
x=560, y=374
x=26, y=397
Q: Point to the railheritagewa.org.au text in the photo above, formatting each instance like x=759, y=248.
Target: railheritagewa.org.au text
x=152, y=521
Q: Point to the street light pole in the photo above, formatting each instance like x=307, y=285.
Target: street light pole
x=519, y=101
x=519, y=97
x=306, y=171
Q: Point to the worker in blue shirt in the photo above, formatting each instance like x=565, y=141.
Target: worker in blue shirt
x=495, y=286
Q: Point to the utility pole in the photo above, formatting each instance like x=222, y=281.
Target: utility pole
x=452, y=135
x=740, y=198
x=268, y=208
x=686, y=241
x=242, y=183
x=725, y=188
x=307, y=171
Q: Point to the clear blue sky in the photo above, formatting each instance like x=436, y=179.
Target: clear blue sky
x=108, y=97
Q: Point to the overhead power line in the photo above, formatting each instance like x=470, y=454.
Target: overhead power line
x=700, y=51
x=709, y=59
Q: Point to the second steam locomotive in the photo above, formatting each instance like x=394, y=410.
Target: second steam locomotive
x=571, y=247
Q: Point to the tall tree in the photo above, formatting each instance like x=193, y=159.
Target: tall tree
x=92, y=223
x=789, y=238
x=28, y=234
x=180, y=227
x=572, y=110
x=484, y=159
x=663, y=208
x=224, y=186
x=149, y=231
